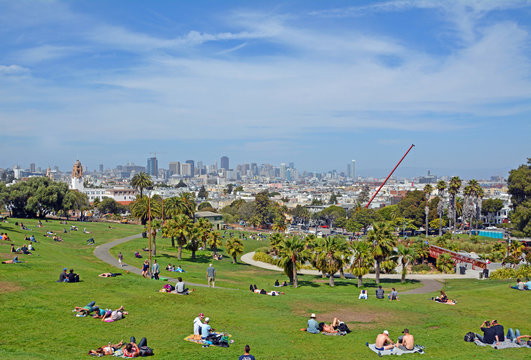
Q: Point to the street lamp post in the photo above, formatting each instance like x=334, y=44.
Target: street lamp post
x=149, y=229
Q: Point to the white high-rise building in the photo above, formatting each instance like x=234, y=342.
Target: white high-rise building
x=352, y=174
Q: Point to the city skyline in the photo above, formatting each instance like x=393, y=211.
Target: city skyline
x=315, y=83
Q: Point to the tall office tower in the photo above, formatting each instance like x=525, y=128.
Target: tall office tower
x=32, y=168
x=282, y=171
x=200, y=168
x=292, y=165
x=254, y=169
x=100, y=168
x=152, y=166
x=349, y=170
x=192, y=167
x=225, y=162
x=175, y=168
x=353, y=169
x=186, y=169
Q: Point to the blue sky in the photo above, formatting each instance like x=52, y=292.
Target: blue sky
x=313, y=82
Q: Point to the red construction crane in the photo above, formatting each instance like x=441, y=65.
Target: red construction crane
x=388, y=176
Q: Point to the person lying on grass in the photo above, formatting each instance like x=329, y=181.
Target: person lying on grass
x=520, y=340
x=133, y=350
x=87, y=309
x=109, y=274
x=15, y=260
x=406, y=341
x=108, y=349
x=115, y=315
x=383, y=341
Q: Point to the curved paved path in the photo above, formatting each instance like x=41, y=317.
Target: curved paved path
x=102, y=253
x=430, y=282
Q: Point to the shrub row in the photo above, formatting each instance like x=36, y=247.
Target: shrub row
x=522, y=272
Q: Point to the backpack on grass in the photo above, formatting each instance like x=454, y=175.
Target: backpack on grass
x=470, y=336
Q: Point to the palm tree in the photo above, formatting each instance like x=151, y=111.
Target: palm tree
x=274, y=242
x=427, y=191
x=141, y=181
x=407, y=255
x=292, y=252
x=234, y=248
x=383, y=241
x=140, y=208
x=179, y=227
x=468, y=203
x=194, y=235
x=362, y=259
x=445, y=263
x=189, y=205
x=214, y=241
x=173, y=207
x=330, y=253
x=422, y=249
x=279, y=224
x=441, y=186
x=453, y=189
x=206, y=227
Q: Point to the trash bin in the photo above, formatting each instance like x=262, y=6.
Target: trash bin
x=462, y=270
x=480, y=275
x=144, y=234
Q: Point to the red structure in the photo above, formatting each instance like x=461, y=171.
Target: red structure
x=388, y=176
x=436, y=251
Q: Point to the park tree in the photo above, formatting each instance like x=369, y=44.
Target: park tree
x=453, y=189
x=365, y=217
x=427, y=192
x=490, y=207
x=445, y=263
x=214, y=241
x=406, y=256
x=228, y=189
x=329, y=255
x=317, y=202
x=412, y=207
x=234, y=248
x=74, y=200
x=331, y=214
x=206, y=206
x=109, y=206
x=383, y=241
x=300, y=214
x=188, y=204
x=292, y=253
x=202, y=193
x=519, y=184
x=140, y=208
x=206, y=227
x=141, y=181
x=362, y=259
x=195, y=233
x=334, y=199
x=363, y=197
x=441, y=187
x=178, y=228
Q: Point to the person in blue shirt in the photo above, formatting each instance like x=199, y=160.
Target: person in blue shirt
x=313, y=325
x=246, y=355
x=527, y=285
x=206, y=329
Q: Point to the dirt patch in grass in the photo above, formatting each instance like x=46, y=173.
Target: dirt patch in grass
x=7, y=287
x=8, y=255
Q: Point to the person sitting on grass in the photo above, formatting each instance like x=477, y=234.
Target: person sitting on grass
x=206, y=330
x=393, y=295
x=442, y=298
x=488, y=333
x=363, y=295
x=499, y=333
x=380, y=292
x=109, y=274
x=527, y=285
x=383, y=341
x=198, y=325
x=519, y=285
x=246, y=355
x=30, y=247
x=13, y=250
x=91, y=241
x=406, y=342
x=277, y=284
x=15, y=260
x=313, y=325
x=179, y=269
x=73, y=277
x=32, y=238
x=63, y=277
x=180, y=287
x=137, y=255
x=169, y=267
x=107, y=349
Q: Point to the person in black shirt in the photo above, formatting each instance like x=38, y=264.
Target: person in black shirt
x=498, y=332
x=73, y=277
x=63, y=276
x=488, y=333
x=380, y=292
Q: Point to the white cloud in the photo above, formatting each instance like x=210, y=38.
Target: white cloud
x=13, y=70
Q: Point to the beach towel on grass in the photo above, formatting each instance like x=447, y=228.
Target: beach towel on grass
x=339, y=333
x=507, y=344
x=194, y=339
x=396, y=351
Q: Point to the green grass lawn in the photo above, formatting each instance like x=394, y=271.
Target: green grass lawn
x=37, y=322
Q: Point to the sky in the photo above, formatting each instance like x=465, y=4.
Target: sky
x=317, y=83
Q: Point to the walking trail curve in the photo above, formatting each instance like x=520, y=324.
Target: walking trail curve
x=430, y=282
x=102, y=253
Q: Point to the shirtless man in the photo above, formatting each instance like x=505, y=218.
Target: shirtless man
x=383, y=339
x=406, y=342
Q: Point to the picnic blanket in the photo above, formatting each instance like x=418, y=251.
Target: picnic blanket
x=196, y=339
x=507, y=344
x=396, y=351
x=449, y=302
x=339, y=333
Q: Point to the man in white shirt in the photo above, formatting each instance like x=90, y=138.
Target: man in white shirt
x=198, y=323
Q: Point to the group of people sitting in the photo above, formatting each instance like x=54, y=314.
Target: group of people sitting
x=217, y=257
x=22, y=226
x=337, y=326
x=443, y=299
x=380, y=294
x=493, y=334
x=131, y=349
x=173, y=268
x=29, y=238
x=254, y=289
x=3, y=236
x=277, y=284
x=179, y=288
x=520, y=285
x=69, y=277
x=26, y=250
x=406, y=342
x=106, y=315
x=202, y=328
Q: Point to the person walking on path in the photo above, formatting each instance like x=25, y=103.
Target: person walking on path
x=120, y=259
x=155, y=270
x=211, y=275
x=145, y=268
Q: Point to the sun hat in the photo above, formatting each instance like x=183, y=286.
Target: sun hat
x=386, y=332
x=201, y=315
x=312, y=315
x=207, y=320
